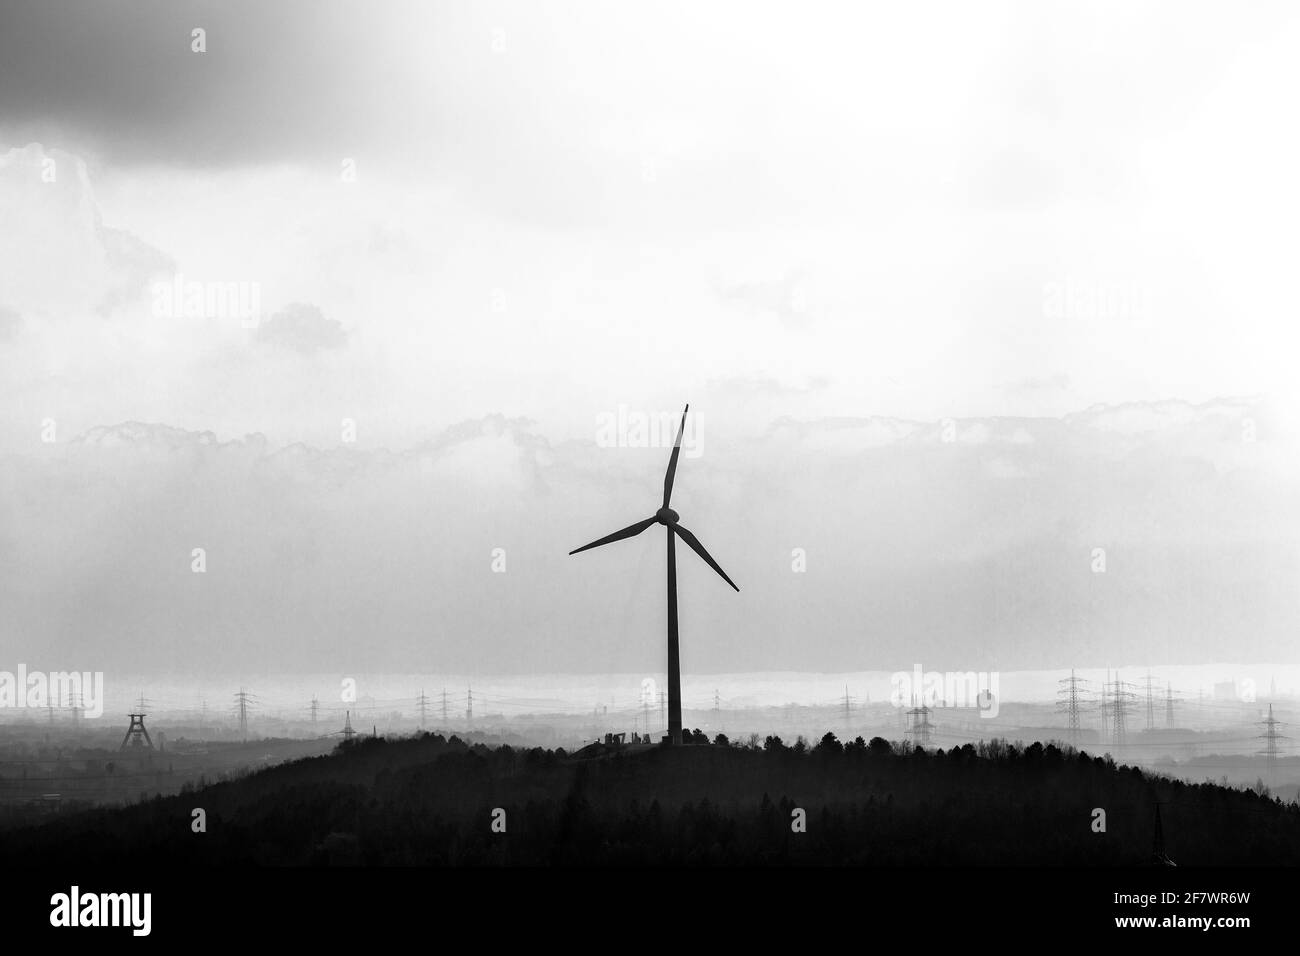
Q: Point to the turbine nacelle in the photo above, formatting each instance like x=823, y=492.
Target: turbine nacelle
x=667, y=516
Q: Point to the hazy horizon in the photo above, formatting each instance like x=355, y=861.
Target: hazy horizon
x=323, y=354
x=289, y=695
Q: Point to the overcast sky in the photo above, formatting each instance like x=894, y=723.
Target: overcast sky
x=474, y=229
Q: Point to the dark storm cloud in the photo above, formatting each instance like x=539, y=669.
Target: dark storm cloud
x=290, y=79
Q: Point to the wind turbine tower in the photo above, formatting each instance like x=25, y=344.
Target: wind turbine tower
x=673, y=530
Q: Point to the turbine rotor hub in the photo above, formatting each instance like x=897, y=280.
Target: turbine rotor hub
x=666, y=516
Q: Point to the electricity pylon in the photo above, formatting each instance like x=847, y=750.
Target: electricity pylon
x=243, y=700
x=1121, y=699
x=1104, y=707
x=921, y=726
x=1151, y=702
x=1270, y=737
x=1070, y=704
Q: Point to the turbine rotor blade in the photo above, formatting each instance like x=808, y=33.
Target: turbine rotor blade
x=631, y=531
x=672, y=461
x=694, y=544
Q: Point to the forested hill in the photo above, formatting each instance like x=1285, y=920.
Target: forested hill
x=433, y=801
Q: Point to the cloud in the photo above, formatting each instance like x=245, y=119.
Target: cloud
x=11, y=324
x=785, y=297
x=300, y=327
x=961, y=554
x=1060, y=381
x=764, y=386
x=296, y=80
x=61, y=260
x=133, y=264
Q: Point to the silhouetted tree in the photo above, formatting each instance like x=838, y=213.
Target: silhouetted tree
x=829, y=745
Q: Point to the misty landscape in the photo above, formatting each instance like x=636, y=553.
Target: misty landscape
x=499, y=436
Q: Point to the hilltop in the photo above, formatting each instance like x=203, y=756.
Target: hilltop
x=428, y=800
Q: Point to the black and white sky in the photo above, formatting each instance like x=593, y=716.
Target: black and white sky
x=960, y=293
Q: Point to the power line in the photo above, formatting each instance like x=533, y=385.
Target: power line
x=1271, y=737
x=1103, y=707
x=1071, y=704
x=1120, y=700
x=1150, y=699
x=243, y=700
x=921, y=726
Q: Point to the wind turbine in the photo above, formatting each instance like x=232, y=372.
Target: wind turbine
x=669, y=519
